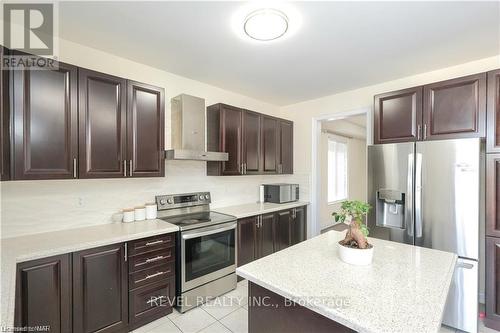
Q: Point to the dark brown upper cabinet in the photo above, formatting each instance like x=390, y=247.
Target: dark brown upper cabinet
x=251, y=142
x=493, y=195
x=256, y=143
x=285, y=147
x=455, y=108
x=4, y=119
x=398, y=116
x=43, y=294
x=493, y=112
x=270, y=145
x=102, y=129
x=145, y=122
x=45, y=123
x=100, y=302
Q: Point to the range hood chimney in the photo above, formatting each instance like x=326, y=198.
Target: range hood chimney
x=188, y=131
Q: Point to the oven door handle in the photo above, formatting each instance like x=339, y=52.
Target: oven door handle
x=208, y=231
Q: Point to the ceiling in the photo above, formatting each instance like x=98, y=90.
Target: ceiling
x=339, y=45
x=352, y=126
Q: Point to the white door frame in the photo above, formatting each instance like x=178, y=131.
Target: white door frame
x=315, y=170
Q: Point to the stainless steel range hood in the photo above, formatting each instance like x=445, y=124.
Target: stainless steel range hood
x=188, y=131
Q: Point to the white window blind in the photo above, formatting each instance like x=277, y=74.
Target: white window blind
x=337, y=169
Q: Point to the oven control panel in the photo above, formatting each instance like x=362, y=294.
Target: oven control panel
x=182, y=200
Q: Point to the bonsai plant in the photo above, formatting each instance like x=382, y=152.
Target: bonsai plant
x=354, y=248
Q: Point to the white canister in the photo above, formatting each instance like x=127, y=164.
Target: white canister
x=128, y=215
x=151, y=211
x=140, y=213
x=261, y=193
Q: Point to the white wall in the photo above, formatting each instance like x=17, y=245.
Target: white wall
x=38, y=206
x=356, y=163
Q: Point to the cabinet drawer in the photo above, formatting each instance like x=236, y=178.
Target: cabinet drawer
x=151, y=244
x=151, y=302
x=151, y=275
x=150, y=259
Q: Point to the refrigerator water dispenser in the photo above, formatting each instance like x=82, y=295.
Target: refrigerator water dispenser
x=390, y=209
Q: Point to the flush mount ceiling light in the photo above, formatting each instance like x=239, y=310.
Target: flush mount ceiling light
x=266, y=24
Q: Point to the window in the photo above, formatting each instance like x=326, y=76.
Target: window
x=337, y=169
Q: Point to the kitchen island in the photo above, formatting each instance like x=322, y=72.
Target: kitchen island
x=403, y=290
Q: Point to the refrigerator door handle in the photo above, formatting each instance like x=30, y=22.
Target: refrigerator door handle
x=409, y=201
x=418, y=196
x=464, y=265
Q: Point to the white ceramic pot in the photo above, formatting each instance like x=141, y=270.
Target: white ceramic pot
x=355, y=256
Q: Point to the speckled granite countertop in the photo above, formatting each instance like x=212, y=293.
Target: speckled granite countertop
x=252, y=209
x=403, y=290
x=24, y=248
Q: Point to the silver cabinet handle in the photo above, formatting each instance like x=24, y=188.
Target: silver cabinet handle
x=154, y=243
x=130, y=168
x=419, y=129
x=151, y=276
x=74, y=167
x=241, y=168
x=126, y=252
x=425, y=131
x=245, y=168
x=155, y=259
x=124, y=168
x=260, y=221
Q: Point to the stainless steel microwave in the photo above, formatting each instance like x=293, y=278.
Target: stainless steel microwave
x=281, y=193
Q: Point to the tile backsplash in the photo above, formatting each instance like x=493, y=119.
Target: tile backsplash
x=29, y=207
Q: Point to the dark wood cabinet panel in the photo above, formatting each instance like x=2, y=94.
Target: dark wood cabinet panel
x=43, y=294
x=492, y=319
x=4, y=119
x=493, y=195
x=299, y=227
x=45, y=121
x=102, y=125
x=251, y=143
x=145, y=133
x=231, y=128
x=286, y=147
x=266, y=235
x=283, y=229
x=100, y=290
x=455, y=108
x=493, y=112
x=398, y=116
x=270, y=145
x=247, y=234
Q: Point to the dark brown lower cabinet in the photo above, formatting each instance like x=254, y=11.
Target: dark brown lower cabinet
x=43, y=294
x=265, y=235
x=283, y=229
x=298, y=233
x=492, y=319
x=246, y=239
x=100, y=289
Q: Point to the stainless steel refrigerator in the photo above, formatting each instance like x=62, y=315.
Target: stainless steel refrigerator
x=428, y=194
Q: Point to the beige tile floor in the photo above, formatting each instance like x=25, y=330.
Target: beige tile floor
x=225, y=314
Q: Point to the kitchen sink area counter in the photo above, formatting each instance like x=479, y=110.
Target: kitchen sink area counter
x=30, y=247
x=403, y=290
x=258, y=208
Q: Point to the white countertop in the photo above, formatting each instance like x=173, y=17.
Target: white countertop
x=252, y=209
x=403, y=290
x=24, y=248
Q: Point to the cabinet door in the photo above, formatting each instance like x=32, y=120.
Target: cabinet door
x=247, y=235
x=493, y=110
x=4, y=119
x=286, y=147
x=43, y=293
x=266, y=235
x=283, y=229
x=270, y=145
x=398, y=116
x=102, y=125
x=231, y=128
x=493, y=195
x=299, y=225
x=492, y=319
x=100, y=290
x=45, y=123
x=145, y=128
x=455, y=108
x=251, y=149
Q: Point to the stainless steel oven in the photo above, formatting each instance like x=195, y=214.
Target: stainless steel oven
x=207, y=254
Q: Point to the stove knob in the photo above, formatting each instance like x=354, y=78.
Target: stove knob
x=201, y=197
x=162, y=201
x=207, y=196
x=170, y=201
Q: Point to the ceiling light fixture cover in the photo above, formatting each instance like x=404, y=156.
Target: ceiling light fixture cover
x=266, y=24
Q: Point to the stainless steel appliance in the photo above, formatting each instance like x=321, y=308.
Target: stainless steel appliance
x=428, y=194
x=188, y=131
x=206, y=247
x=281, y=193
